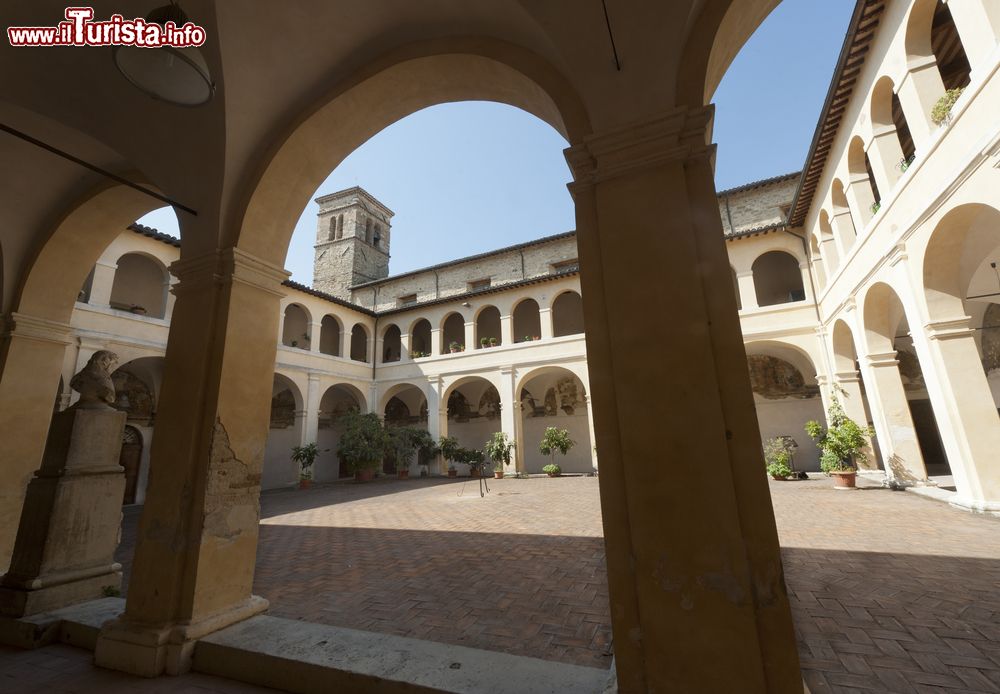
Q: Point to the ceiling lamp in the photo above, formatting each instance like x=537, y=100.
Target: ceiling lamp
x=176, y=75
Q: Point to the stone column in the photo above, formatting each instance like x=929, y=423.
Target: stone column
x=716, y=589
x=545, y=322
x=897, y=437
x=819, y=263
x=436, y=342
x=509, y=412
x=197, y=537
x=842, y=225
x=345, y=344
x=404, y=347
x=885, y=153
x=748, y=292
x=103, y=282
x=807, y=284
x=315, y=332
x=590, y=429
x=379, y=355
x=860, y=198
x=313, y=395
x=506, y=330
x=470, y=337
x=437, y=418
x=919, y=90
x=978, y=24
x=31, y=360
x=847, y=389
x=964, y=409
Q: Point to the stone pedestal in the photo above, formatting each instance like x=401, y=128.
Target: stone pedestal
x=71, y=519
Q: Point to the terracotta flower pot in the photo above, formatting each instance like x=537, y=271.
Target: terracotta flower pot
x=780, y=478
x=305, y=484
x=552, y=474
x=474, y=472
x=452, y=473
x=364, y=475
x=498, y=474
x=844, y=480
x=403, y=474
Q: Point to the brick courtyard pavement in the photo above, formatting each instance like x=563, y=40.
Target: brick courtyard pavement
x=890, y=592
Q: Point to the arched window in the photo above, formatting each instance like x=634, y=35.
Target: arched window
x=340, y=226
x=368, y=231
x=392, y=345
x=777, y=279
x=377, y=240
x=453, y=334
x=329, y=336
x=930, y=32
x=420, y=338
x=567, y=314
x=359, y=343
x=295, y=329
x=887, y=116
x=862, y=182
x=527, y=324
x=140, y=286
x=488, y=328
x=332, y=232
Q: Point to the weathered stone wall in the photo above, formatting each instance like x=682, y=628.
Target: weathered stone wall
x=499, y=268
x=352, y=241
x=757, y=207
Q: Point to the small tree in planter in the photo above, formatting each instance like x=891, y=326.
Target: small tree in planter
x=363, y=443
x=498, y=448
x=841, y=444
x=402, y=443
x=427, y=449
x=475, y=459
x=451, y=451
x=778, y=458
x=554, y=441
x=305, y=456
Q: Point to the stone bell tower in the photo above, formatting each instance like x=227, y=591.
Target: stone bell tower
x=352, y=241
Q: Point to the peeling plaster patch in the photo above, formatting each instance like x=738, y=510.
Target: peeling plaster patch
x=769, y=584
x=232, y=497
x=725, y=583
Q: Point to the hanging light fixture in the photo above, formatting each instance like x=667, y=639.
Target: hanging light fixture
x=176, y=75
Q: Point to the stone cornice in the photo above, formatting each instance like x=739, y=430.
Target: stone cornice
x=21, y=325
x=675, y=135
x=949, y=329
x=230, y=264
x=882, y=359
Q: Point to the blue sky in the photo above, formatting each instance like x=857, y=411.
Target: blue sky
x=469, y=177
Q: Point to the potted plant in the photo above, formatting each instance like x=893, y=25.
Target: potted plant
x=427, y=449
x=455, y=347
x=362, y=443
x=778, y=458
x=402, y=443
x=555, y=441
x=451, y=451
x=494, y=342
x=484, y=342
x=941, y=113
x=498, y=448
x=137, y=310
x=305, y=456
x=475, y=459
x=841, y=444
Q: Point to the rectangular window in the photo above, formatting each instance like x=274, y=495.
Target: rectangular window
x=566, y=266
x=407, y=300
x=477, y=285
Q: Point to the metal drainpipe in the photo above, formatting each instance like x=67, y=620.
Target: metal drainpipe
x=522, y=263
x=437, y=290
x=729, y=216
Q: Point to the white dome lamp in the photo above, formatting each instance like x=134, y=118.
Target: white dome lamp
x=175, y=75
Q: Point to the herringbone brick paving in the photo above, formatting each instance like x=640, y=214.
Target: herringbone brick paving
x=889, y=592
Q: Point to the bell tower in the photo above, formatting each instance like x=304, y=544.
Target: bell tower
x=352, y=241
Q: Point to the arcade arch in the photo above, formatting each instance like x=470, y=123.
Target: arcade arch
x=554, y=397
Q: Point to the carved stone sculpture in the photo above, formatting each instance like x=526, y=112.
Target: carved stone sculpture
x=94, y=384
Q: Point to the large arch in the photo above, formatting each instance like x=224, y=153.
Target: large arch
x=392, y=344
x=957, y=254
x=931, y=34
x=393, y=87
x=777, y=278
x=140, y=285
x=786, y=395
x=488, y=327
x=567, y=314
x=526, y=323
x=420, y=338
x=453, y=333
x=553, y=396
x=336, y=400
x=330, y=335
x=285, y=432
x=473, y=412
x=296, y=326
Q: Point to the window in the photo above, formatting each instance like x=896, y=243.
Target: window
x=566, y=266
x=378, y=235
x=478, y=285
x=407, y=300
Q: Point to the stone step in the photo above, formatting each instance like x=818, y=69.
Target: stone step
x=76, y=625
x=312, y=658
